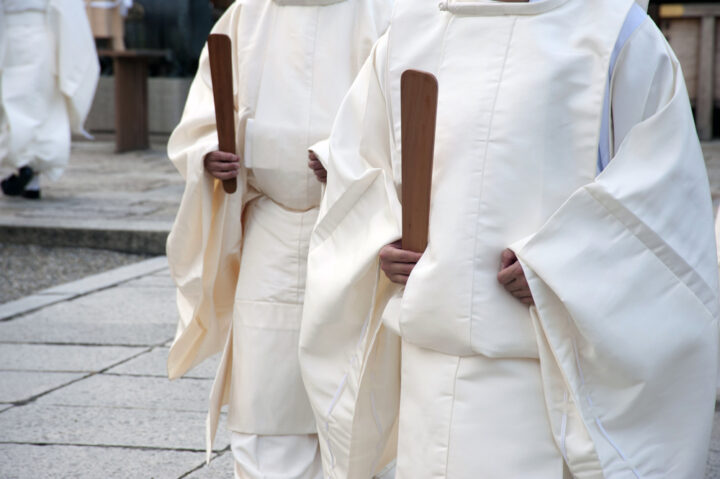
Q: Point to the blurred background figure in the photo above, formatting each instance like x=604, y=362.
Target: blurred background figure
x=48, y=74
x=107, y=20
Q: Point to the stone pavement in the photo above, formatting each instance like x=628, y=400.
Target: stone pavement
x=84, y=392
x=123, y=202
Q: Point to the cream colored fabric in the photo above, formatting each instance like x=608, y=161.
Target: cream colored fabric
x=48, y=74
x=276, y=457
x=482, y=418
x=239, y=260
x=622, y=266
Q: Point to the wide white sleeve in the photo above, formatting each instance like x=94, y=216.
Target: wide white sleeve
x=203, y=247
x=346, y=292
x=625, y=281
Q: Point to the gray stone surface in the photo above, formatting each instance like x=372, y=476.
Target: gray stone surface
x=62, y=358
x=153, y=363
x=220, y=467
x=134, y=392
x=103, y=426
x=28, y=303
x=101, y=191
x=21, y=461
x=59, y=324
x=31, y=268
x=121, y=315
x=138, y=269
x=20, y=386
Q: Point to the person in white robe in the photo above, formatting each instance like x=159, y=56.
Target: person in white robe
x=239, y=260
x=48, y=74
x=563, y=320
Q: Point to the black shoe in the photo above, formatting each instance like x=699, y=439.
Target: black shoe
x=31, y=194
x=14, y=185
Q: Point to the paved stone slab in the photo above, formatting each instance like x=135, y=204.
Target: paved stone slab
x=154, y=281
x=68, y=330
x=63, y=462
x=134, y=392
x=29, y=303
x=122, y=315
x=220, y=467
x=111, y=278
x=103, y=426
x=40, y=357
x=19, y=386
x=154, y=363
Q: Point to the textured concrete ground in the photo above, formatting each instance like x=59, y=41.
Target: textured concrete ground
x=101, y=188
x=28, y=268
x=84, y=392
x=123, y=202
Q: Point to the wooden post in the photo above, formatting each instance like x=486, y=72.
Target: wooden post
x=131, y=104
x=706, y=78
x=131, y=97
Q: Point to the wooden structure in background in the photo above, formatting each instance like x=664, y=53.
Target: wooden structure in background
x=419, y=96
x=222, y=4
x=691, y=29
x=131, y=98
x=107, y=24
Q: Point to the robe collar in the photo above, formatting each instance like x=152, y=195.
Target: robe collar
x=495, y=8
x=306, y=3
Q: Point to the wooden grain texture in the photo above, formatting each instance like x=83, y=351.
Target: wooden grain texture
x=220, y=50
x=419, y=92
x=131, y=104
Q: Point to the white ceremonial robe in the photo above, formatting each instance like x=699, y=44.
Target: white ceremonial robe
x=239, y=260
x=48, y=74
x=622, y=265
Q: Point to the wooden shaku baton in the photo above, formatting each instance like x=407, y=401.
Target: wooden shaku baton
x=220, y=50
x=419, y=95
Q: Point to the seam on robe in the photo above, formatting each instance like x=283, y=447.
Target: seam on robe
x=465, y=7
x=482, y=179
x=452, y=415
x=675, y=263
x=582, y=392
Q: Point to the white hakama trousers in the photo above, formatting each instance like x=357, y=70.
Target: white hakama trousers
x=34, y=121
x=276, y=457
x=473, y=418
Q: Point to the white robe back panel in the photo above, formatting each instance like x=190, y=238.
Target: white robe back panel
x=48, y=74
x=518, y=122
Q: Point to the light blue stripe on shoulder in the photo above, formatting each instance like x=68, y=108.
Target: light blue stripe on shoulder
x=636, y=17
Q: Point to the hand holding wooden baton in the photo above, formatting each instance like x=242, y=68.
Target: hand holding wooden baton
x=220, y=51
x=419, y=94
